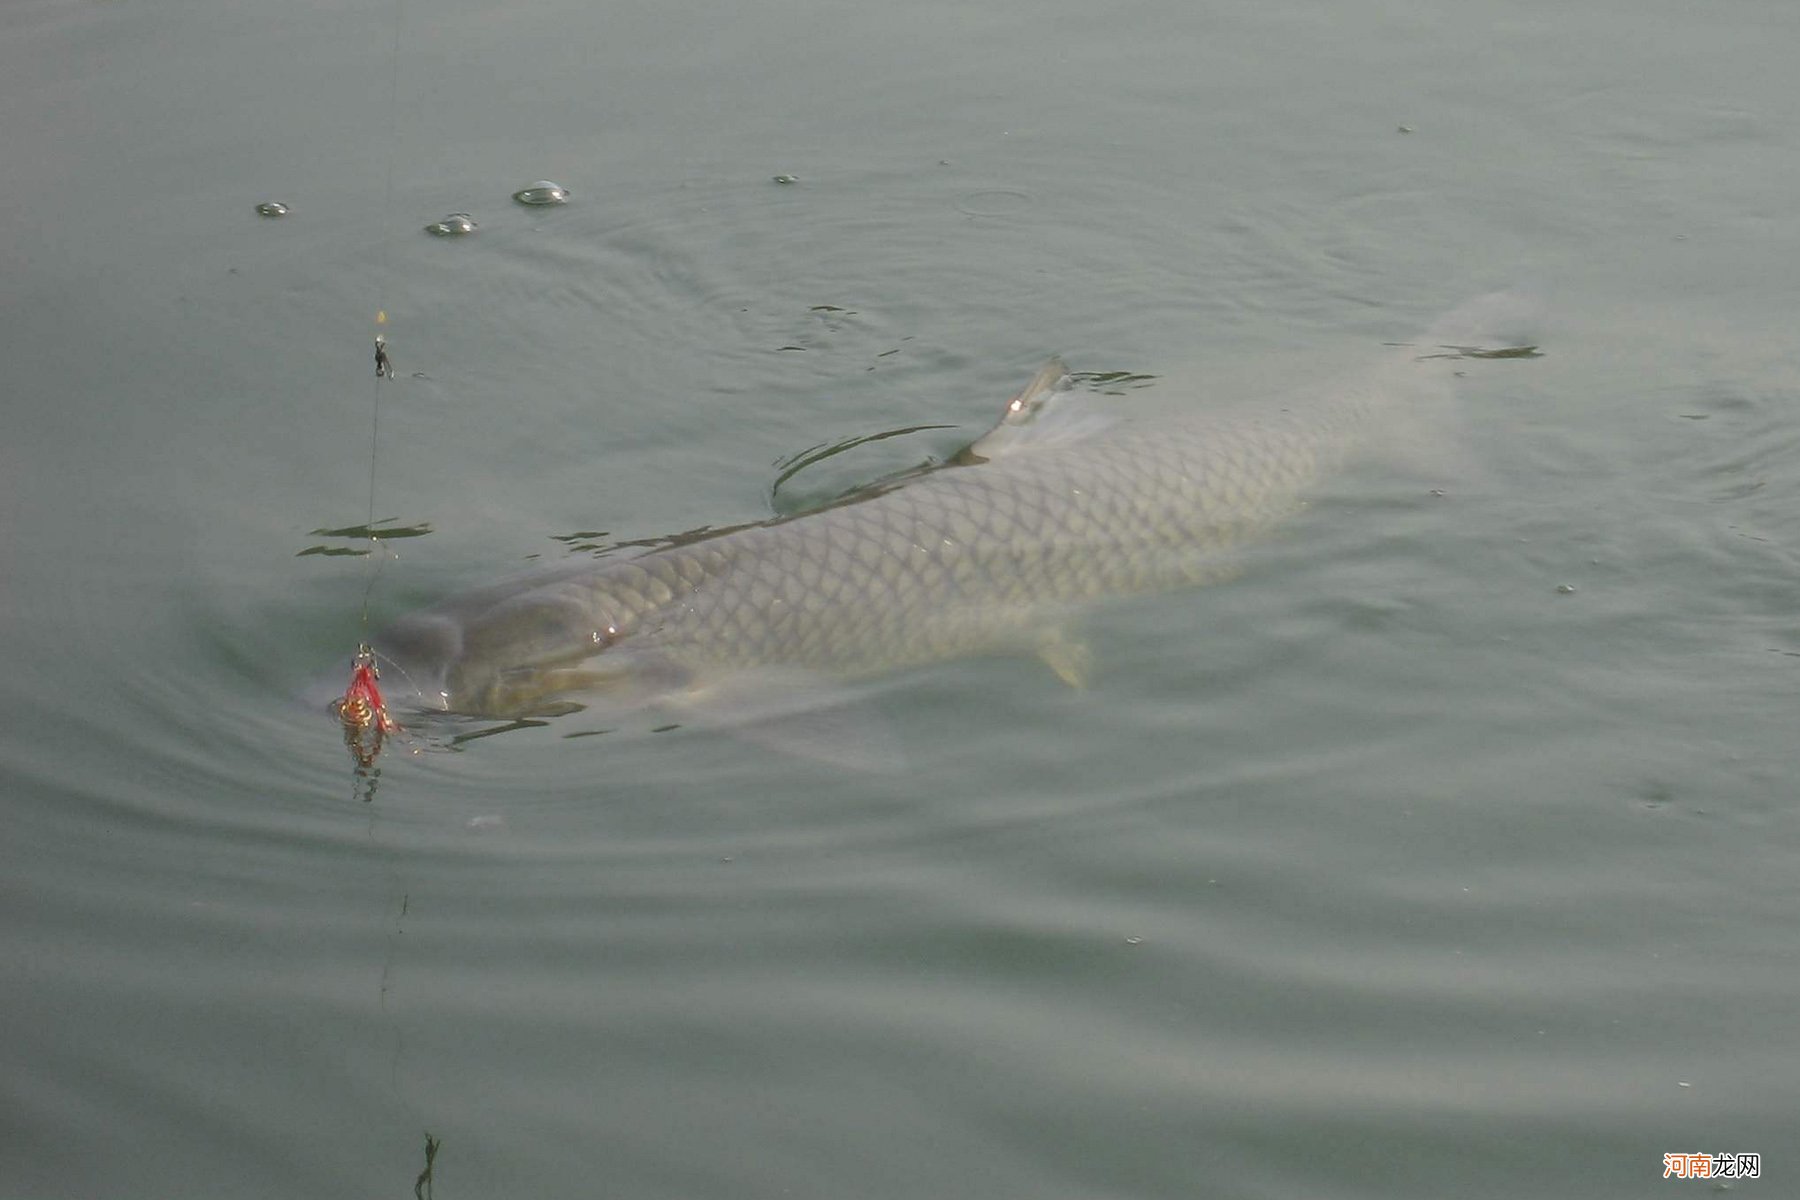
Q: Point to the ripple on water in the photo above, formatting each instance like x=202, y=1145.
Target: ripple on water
x=995, y=202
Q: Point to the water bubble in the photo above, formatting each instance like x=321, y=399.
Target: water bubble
x=454, y=225
x=271, y=208
x=542, y=192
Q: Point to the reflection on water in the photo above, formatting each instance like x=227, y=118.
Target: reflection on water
x=379, y=531
x=1111, y=383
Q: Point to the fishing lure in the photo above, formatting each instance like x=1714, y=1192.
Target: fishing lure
x=362, y=711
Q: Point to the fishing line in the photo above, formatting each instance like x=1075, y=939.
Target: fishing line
x=376, y=553
x=362, y=711
x=384, y=369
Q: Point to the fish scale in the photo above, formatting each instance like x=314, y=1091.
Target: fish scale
x=958, y=561
x=964, y=558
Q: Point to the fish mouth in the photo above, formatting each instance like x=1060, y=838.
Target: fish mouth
x=614, y=679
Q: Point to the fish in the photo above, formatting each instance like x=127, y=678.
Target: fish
x=1066, y=501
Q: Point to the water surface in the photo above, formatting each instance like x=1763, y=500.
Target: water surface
x=1447, y=851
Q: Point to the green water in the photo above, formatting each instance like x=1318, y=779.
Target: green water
x=1448, y=851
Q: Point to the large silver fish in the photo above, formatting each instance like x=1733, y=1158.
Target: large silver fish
x=1063, y=502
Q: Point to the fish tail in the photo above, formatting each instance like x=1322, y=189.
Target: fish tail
x=1493, y=321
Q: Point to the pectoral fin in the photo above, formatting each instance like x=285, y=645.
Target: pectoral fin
x=1071, y=659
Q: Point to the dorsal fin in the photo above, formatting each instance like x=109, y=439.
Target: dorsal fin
x=1051, y=378
x=1046, y=411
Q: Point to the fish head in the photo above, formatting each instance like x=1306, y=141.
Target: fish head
x=412, y=656
x=527, y=649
